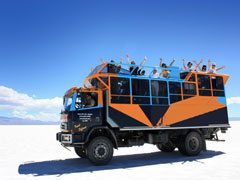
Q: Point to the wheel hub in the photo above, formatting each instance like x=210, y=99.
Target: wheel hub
x=100, y=151
x=193, y=143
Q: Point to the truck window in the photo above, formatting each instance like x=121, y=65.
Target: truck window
x=86, y=99
x=140, y=87
x=120, y=90
x=175, y=87
x=159, y=88
x=94, y=83
x=189, y=89
x=120, y=86
x=67, y=103
x=175, y=92
x=217, y=85
x=217, y=82
x=159, y=92
x=204, y=82
x=204, y=85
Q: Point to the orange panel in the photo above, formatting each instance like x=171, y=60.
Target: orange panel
x=190, y=108
x=134, y=111
x=225, y=79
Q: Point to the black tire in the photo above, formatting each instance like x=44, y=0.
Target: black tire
x=168, y=147
x=191, y=144
x=81, y=152
x=100, y=150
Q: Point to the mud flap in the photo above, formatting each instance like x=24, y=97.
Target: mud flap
x=204, y=144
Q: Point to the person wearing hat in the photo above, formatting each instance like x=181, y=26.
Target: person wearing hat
x=213, y=68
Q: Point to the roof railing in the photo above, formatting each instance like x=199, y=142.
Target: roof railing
x=174, y=70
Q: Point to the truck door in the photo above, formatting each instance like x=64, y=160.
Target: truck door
x=88, y=111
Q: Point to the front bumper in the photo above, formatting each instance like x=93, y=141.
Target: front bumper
x=70, y=139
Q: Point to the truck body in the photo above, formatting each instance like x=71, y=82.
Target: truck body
x=180, y=111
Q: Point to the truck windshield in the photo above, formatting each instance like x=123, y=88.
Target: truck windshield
x=67, y=103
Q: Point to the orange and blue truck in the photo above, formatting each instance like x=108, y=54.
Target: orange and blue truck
x=180, y=111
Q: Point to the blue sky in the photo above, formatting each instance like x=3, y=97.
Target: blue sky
x=46, y=47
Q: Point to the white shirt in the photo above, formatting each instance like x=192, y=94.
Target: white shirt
x=213, y=71
x=156, y=75
x=191, y=68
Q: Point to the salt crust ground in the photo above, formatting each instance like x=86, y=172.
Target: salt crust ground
x=31, y=152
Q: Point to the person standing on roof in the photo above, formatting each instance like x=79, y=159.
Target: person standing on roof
x=141, y=72
x=203, y=69
x=113, y=68
x=189, y=66
x=154, y=74
x=212, y=68
x=165, y=72
x=134, y=70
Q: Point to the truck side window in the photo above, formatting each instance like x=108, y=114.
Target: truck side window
x=120, y=86
x=189, y=89
x=175, y=92
x=175, y=87
x=140, y=87
x=94, y=83
x=217, y=85
x=204, y=85
x=159, y=88
x=204, y=82
x=159, y=92
x=217, y=82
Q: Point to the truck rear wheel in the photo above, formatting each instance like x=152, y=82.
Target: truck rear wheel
x=80, y=151
x=191, y=144
x=100, y=150
x=168, y=147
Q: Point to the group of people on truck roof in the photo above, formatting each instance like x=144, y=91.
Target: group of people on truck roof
x=212, y=68
x=136, y=70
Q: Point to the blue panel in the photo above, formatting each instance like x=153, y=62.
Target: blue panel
x=72, y=108
x=222, y=100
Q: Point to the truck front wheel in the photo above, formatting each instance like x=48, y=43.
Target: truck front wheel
x=80, y=151
x=191, y=144
x=100, y=150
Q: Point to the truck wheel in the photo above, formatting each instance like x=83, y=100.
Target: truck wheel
x=168, y=147
x=191, y=144
x=100, y=150
x=81, y=152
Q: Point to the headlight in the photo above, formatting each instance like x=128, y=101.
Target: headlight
x=63, y=126
x=66, y=138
